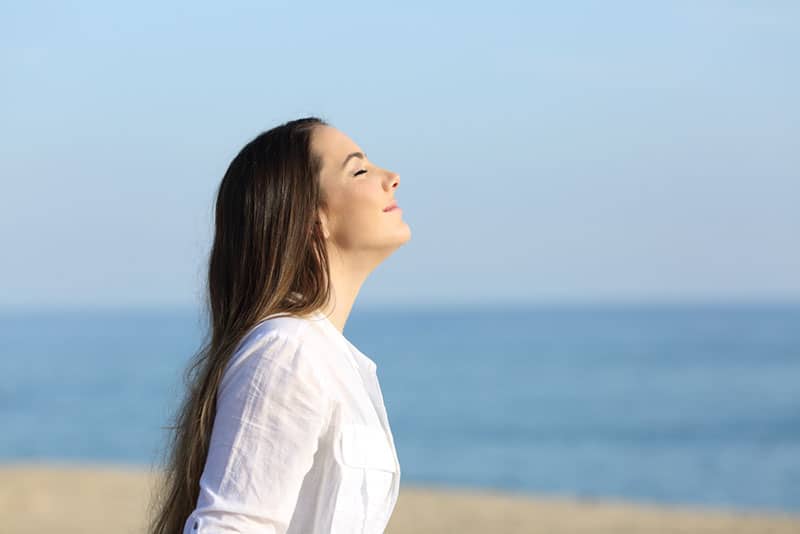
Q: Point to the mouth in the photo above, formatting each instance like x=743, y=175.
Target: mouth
x=391, y=207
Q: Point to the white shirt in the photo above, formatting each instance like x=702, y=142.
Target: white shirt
x=301, y=441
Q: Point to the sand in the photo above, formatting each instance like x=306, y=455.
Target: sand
x=93, y=499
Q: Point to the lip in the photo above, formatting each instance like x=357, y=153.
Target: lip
x=391, y=207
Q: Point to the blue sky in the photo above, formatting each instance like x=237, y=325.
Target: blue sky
x=560, y=152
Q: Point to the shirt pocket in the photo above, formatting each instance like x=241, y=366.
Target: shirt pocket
x=368, y=455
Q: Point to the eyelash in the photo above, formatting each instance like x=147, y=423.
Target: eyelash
x=359, y=172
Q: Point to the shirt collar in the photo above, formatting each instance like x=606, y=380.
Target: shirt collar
x=356, y=355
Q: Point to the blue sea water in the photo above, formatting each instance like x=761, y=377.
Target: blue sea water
x=680, y=404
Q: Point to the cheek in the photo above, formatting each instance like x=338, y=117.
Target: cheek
x=359, y=215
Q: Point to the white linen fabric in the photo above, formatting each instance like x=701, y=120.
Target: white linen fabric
x=301, y=441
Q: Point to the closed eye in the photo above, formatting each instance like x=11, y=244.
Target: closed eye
x=359, y=172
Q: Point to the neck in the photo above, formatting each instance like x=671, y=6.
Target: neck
x=348, y=274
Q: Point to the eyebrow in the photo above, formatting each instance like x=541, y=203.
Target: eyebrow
x=353, y=155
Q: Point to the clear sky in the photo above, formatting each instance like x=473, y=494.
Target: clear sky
x=566, y=151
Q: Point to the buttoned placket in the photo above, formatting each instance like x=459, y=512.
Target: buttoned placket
x=370, y=377
x=367, y=371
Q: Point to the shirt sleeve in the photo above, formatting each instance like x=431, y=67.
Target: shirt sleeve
x=271, y=411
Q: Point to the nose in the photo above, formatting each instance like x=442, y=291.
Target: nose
x=394, y=179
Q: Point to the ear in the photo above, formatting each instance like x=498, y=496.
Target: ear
x=322, y=220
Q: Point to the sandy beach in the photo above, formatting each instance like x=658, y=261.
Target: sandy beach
x=99, y=499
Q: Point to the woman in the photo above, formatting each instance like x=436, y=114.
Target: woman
x=283, y=429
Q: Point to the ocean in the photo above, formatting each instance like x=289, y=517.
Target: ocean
x=694, y=404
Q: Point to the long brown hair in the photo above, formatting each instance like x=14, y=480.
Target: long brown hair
x=268, y=258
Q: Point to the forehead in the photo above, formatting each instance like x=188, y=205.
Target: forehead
x=333, y=145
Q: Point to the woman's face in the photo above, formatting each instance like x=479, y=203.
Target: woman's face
x=355, y=193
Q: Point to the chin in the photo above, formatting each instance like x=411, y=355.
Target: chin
x=394, y=239
x=405, y=236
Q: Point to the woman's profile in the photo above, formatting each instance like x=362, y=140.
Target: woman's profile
x=283, y=428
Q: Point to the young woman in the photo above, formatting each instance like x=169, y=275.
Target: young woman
x=283, y=428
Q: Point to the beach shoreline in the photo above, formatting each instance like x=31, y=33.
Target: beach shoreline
x=88, y=499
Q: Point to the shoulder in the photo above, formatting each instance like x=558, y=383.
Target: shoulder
x=288, y=342
x=294, y=331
